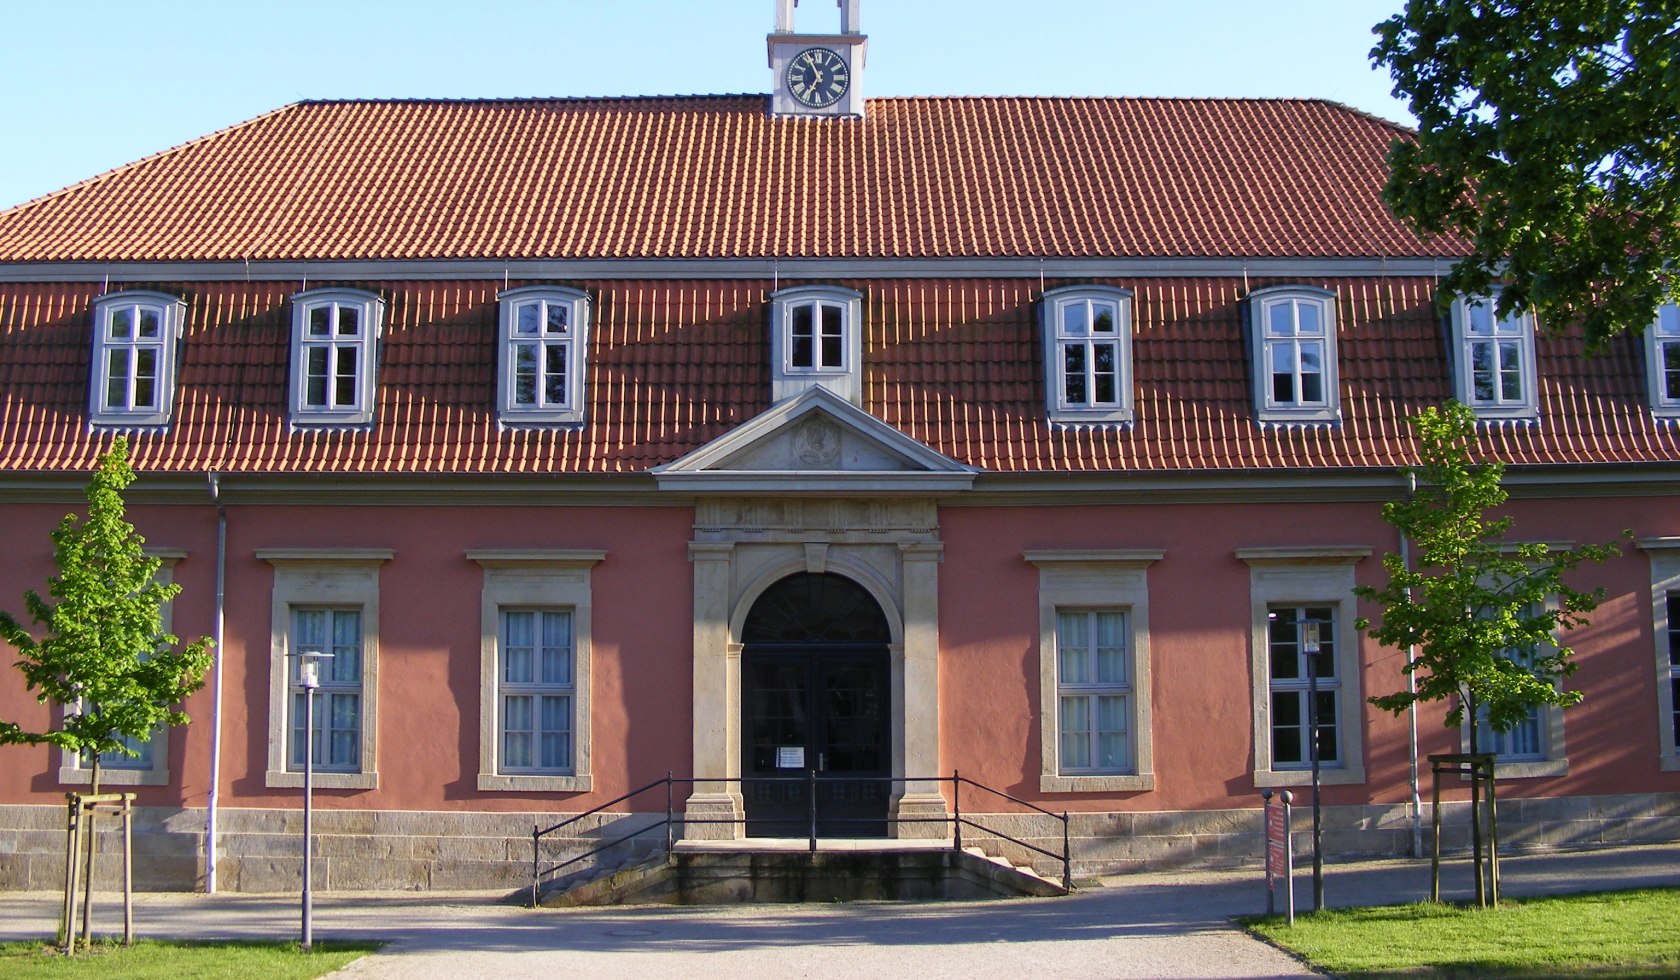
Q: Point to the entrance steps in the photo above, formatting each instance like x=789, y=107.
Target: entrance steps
x=775, y=870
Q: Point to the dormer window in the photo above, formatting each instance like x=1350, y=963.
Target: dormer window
x=1494, y=369
x=540, y=357
x=1088, y=354
x=134, y=342
x=1293, y=350
x=334, y=352
x=1662, y=358
x=816, y=340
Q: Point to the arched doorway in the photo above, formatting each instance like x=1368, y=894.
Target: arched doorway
x=815, y=695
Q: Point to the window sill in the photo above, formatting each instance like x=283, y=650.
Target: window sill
x=1670, y=762
x=75, y=776
x=495, y=783
x=1303, y=777
x=1097, y=783
x=1534, y=769
x=280, y=779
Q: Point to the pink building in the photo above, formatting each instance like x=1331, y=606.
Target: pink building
x=600, y=439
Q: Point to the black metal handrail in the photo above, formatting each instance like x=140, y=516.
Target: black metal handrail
x=540, y=872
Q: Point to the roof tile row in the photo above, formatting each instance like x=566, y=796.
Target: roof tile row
x=956, y=364
x=718, y=177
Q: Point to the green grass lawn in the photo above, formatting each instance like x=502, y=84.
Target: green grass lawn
x=1633, y=933
x=161, y=960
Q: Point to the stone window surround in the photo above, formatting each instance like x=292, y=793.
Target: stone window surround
x=172, y=315
x=578, y=350
x=1050, y=305
x=1300, y=576
x=846, y=380
x=558, y=579
x=341, y=577
x=1260, y=345
x=70, y=769
x=1112, y=579
x=1664, y=555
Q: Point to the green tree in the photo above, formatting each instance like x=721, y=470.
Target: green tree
x=103, y=656
x=1547, y=138
x=1471, y=603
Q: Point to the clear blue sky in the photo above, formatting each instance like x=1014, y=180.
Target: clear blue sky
x=87, y=85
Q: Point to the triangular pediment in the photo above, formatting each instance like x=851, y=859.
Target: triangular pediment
x=816, y=442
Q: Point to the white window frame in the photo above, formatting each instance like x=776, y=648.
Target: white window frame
x=845, y=378
x=573, y=340
x=341, y=578
x=1306, y=576
x=1518, y=330
x=1265, y=346
x=1299, y=618
x=134, y=772
x=1055, y=308
x=171, y=314
x=369, y=310
x=1101, y=581
x=544, y=580
x=1664, y=555
x=1663, y=336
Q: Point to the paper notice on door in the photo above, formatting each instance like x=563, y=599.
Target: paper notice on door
x=790, y=757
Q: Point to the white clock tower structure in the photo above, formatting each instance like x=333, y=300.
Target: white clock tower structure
x=817, y=74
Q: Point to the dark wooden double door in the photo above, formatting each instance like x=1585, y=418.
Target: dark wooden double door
x=823, y=710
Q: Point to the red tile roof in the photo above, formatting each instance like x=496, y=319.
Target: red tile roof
x=717, y=177
x=674, y=364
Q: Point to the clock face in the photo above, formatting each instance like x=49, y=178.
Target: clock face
x=817, y=78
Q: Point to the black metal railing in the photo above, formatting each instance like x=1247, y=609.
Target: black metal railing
x=541, y=872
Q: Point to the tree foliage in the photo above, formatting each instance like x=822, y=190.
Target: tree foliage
x=1549, y=137
x=1470, y=600
x=103, y=655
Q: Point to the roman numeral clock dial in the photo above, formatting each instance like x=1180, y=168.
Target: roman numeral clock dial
x=817, y=78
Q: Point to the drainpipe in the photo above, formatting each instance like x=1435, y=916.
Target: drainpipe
x=1411, y=688
x=210, y=835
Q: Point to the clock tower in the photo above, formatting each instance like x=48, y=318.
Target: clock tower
x=817, y=74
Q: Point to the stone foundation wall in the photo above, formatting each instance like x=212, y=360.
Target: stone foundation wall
x=419, y=850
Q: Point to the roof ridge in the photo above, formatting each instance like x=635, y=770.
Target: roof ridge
x=133, y=164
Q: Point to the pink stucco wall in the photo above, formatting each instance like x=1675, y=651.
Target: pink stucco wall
x=428, y=708
x=428, y=702
x=1199, y=611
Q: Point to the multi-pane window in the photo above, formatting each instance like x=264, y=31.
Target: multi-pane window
x=817, y=336
x=544, y=331
x=134, y=358
x=1524, y=743
x=1088, y=349
x=1301, y=639
x=1088, y=344
x=1673, y=640
x=1295, y=354
x=816, y=341
x=333, y=350
x=536, y=691
x=336, y=738
x=1496, y=359
x=1663, y=354
x=1094, y=691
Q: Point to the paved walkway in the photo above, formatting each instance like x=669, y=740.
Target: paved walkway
x=1145, y=925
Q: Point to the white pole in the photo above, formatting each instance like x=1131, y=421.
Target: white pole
x=210, y=834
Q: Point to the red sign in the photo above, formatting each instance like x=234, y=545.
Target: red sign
x=1277, y=836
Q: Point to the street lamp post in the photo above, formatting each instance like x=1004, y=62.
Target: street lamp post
x=309, y=679
x=1311, y=646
